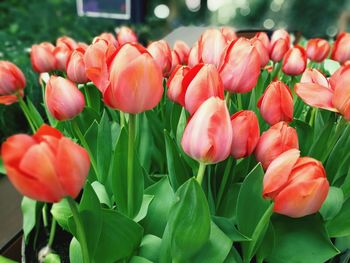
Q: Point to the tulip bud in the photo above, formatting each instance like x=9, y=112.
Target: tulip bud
x=62, y=55
x=46, y=166
x=245, y=133
x=175, y=61
x=317, y=49
x=63, y=99
x=76, y=67
x=263, y=52
x=341, y=51
x=294, y=61
x=228, y=33
x=12, y=81
x=126, y=35
x=276, y=104
x=82, y=46
x=66, y=42
x=211, y=46
x=200, y=83
x=135, y=80
x=298, y=185
x=278, y=49
x=240, y=66
x=183, y=50
x=176, y=92
x=42, y=57
x=276, y=140
x=280, y=34
x=193, y=57
x=208, y=132
x=263, y=37
x=341, y=98
x=161, y=53
x=108, y=37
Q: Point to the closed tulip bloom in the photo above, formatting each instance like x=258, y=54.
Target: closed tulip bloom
x=245, y=133
x=280, y=34
x=176, y=92
x=317, y=49
x=264, y=38
x=76, y=67
x=278, y=49
x=263, y=52
x=82, y=46
x=294, y=61
x=135, y=80
x=341, y=98
x=62, y=55
x=208, y=133
x=183, y=50
x=211, y=46
x=276, y=104
x=175, y=61
x=126, y=35
x=109, y=37
x=341, y=51
x=297, y=185
x=228, y=33
x=193, y=57
x=46, y=166
x=240, y=66
x=12, y=82
x=276, y=140
x=161, y=53
x=63, y=98
x=66, y=42
x=200, y=83
x=42, y=57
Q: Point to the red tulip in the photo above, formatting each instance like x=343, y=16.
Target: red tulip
x=76, y=67
x=208, y=132
x=245, y=133
x=294, y=61
x=161, y=53
x=46, y=166
x=176, y=92
x=63, y=99
x=211, y=46
x=183, y=50
x=341, y=51
x=12, y=82
x=66, y=42
x=193, y=57
x=278, y=49
x=298, y=185
x=276, y=140
x=263, y=52
x=126, y=35
x=135, y=80
x=42, y=57
x=228, y=33
x=317, y=49
x=280, y=34
x=240, y=66
x=263, y=37
x=276, y=104
x=108, y=37
x=62, y=55
x=200, y=83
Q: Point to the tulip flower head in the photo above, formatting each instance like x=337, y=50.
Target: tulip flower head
x=280, y=34
x=294, y=61
x=182, y=50
x=193, y=56
x=278, y=49
x=341, y=51
x=161, y=53
x=42, y=57
x=263, y=52
x=176, y=91
x=264, y=38
x=76, y=67
x=126, y=35
x=317, y=49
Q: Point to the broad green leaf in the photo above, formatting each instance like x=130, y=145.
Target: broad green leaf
x=233, y=257
x=342, y=243
x=332, y=204
x=175, y=117
x=101, y=193
x=150, y=247
x=75, y=254
x=85, y=119
x=228, y=203
x=52, y=258
x=331, y=65
x=29, y=208
x=301, y=240
x=35, y=115
x=147, y=199
x=346, y=186
x=229, y=228
x=61, y=212
x=267, y=245
x=319, y=146
x=137, y=259
x=94, y=97
x=339, y=226
x=305, y=135
x=6, y=260
x=144, y=141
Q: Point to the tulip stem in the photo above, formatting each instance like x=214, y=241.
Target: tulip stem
x=44, y=215
x=239, y=101
x=26, y=112
x=88, y=97
x=130, y=179
x=79, y=229
x=200, y=173
x=224, y=182
x=122, y=119
x=52, y=232
x=227, y=98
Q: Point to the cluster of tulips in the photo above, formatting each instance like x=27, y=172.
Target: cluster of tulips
x=194, y=151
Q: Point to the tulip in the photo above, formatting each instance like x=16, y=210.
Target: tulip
x=278, y=49
x=66, y=42
x=63, y=99
x=200, y=83
x=276, y=104
x=76, y=67
x=341, y=97
x=341, y=51
x=317, y=49
x=297, y=185
x=62, y=55
x=108, y=37
x=294, y=61
x=183, y=50
x=280, y=34
x=193, y=57
x=263, y=37
x=175, y=91
x=245, y=133
x=175, y=61
x=12, y=82
x=135, y=80
x=208, y=132
x=82, y=46
x=42, y=57
x=228, y=33
x=161, y=53
x=240, y=66
x=263, y=52
x=126, y=35
x=276, y=140
x=46, y=166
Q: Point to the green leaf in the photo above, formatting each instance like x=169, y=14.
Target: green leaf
x=346, y=186
x=233, y=257
x=144, y=141
x=34, y=113
x=150, y=247
x=188, y=227
x=75, y=255
x=331, y=65
x=339, y=226
x=52, y=258
x=332, y=204
x=147, y=199
x=228, y=203
x=267, y=245
x=318, y=148
x=101, y=193
x=120, y=236
x=305, y=135
x=301, y=240
x=2, y=168
x=137, y=259
x=158, y=211
x=228, y=227
x=85, y=119
x=28, y=207
x=6, y=260
x=61, y=212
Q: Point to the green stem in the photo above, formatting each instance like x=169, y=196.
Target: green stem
x=79, y=229
x=227, y=98
x=312, y=117
x=130, y=174
x=200, y=173
x=26, y=112
x=52, y=232
x=122, y=118
x=224, y=182
x=239, y=101
x=44, y=215
x=88, y=97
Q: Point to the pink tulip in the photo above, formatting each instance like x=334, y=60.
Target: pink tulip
x=161, y=53
x=175, y=61
x=341, y=51
x=211, y=46
x=245, y=133
x=63, y=99
x=183, y=50
x=280, y=34
x=278, y=49
x=126, y=35
x=62, y=55
x=298, y=185
x=66, y=42
x=341, y=97
x=228, y=33
x=276, y=104
x=317, y=49
x=263, y=37
x=294, y=61
x=276, y=140
x=42, y=57
x=76, y=67
x=208, y=132
x=193, y=57
x=108, y=37
x=176, y=92
x=263, y=52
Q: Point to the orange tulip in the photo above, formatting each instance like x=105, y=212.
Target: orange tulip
x=161, y=53
x=341, y=51
x=76, y=67
x=208, y=132
x=263, y=52
x=278, y=49
x=276, y=104
x=294, y=61
x=63, y=99
x=276, y=140
x=211, y=46
x=183, y=50
x=176, y=92
x=245, y=133
x=126, y=35
x=12, y=81
x=298, y=185
x=317, y=49
x=135, y=80
x=46, y=166
x=42, y=57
